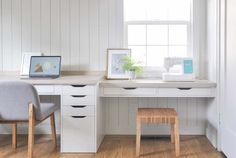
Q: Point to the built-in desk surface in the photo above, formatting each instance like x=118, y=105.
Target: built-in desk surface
x=63, y=80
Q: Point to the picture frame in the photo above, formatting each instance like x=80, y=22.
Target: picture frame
x=114, y=63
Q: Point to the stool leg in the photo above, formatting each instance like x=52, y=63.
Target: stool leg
x=14, y=135
x=172, y=126
x=138, y=136
x=176, y=128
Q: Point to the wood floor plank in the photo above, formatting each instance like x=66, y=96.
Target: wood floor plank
x=114, y=147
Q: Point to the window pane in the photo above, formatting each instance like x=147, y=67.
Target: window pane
x=156, y=54
x=157, y=35
x=178, y=51
x=178, y=35
x=137, y=35
x=157, y=9
x=138, y=53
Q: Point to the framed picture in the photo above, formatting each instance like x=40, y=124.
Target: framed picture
x=115, y=63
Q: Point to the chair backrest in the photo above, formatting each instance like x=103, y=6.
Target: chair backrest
x=15, y=98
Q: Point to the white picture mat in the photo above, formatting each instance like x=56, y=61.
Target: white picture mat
x=25, y=62
x=112, y=52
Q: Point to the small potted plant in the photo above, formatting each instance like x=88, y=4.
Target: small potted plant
x=131, y=67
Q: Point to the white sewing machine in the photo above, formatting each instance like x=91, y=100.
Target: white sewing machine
x=185, y=73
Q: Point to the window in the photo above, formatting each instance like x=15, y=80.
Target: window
x=158, y=28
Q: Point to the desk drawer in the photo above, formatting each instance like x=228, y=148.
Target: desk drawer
x=82, y=110
x=186, y=92
x=44, y=89
x=78, y=100
x=129, y=92
x=78, y=134
x=78, y=90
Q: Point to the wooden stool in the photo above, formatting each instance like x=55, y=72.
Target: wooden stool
x=162, y=116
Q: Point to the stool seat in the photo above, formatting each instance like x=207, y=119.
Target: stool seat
x=160, y=116
x=157, y=115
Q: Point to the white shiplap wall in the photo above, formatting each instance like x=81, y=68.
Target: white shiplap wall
x=121, y=114
x=81, y=31
x=78, y=30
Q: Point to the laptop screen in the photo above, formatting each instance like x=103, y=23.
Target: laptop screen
x=45, y=66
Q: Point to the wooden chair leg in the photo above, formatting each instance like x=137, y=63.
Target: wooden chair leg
x=138, y=136
x=31, y=131
x=177, y=145
x=14, y=135
x=53, y=128
x=172, y=132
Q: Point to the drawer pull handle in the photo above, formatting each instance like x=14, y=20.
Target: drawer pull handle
x=78, y=106
x=78, y=116
x=130, y=88
x=78, y=96
x=185, y=89
x=78, y=85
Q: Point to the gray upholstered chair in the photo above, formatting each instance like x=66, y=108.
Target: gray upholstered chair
x=19, y=102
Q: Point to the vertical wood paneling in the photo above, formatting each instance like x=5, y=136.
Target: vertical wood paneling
x=103, y=32
x=7, y=33
x=1, y=58
x=55, y=27
x=78, y=30
x=16, y=34
x=182, y=111
x=46, y=27
x=112, y=24
x=36, y=25
x=94, y=34
x=74, y=34
x=65, y=34
x=121, y=115
x=26, y=26
x=84, y=35
x=119, y=23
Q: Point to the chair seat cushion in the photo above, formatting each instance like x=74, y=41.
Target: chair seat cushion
x=46, y=109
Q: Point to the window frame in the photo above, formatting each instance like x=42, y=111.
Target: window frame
x=189, y=38
x=193, y=41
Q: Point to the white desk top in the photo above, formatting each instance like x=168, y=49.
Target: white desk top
x=99, y=78
x=63, y=80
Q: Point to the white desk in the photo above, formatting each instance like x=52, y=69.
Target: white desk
x=81, y=112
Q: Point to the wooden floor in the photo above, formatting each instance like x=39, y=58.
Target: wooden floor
x=114, y=147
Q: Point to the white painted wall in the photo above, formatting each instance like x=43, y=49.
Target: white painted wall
x=78, y=30
x=81, y=31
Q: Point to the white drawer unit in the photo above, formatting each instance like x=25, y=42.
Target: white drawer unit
x=78, y=118
x=81, y=110
x=129, y=92
x=186, y=92
x=78, y=100
x=78, y=90
x=78, y=134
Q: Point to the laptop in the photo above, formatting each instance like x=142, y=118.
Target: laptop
x=45, y=67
